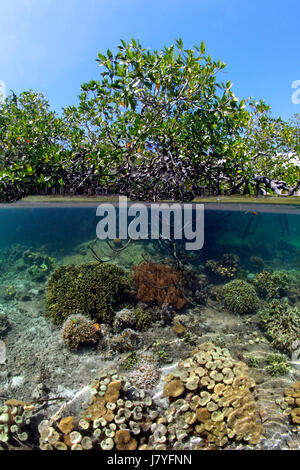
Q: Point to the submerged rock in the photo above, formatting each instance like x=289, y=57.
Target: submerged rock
x=2, y=352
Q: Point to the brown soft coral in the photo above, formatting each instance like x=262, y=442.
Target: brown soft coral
x=159, y=283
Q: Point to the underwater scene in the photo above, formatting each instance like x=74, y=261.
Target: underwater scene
x=145, y=345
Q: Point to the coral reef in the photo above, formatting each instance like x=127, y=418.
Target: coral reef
x=160, y=284
x=226, y=268
x=139, y=319
x=240, y=297
x=167, y=313
x=197, y=287
x=78, y=330
x=144, y=319
x=253, y=361
x=179, y=328
x=13, y=253
x=10, y=292
x=92, y=289
x=277, y=364
x=292, y=398
x=2, y=352
x=216, y=293
x=147, y=372
x=281, y=324
x=39, y=264
x=272, y=285
x=127, y=340
x=117, y=416
x=125, y=318
x=210, y=397
x=15, y=420
x=130, y=361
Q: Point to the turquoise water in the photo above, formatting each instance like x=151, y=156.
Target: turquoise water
x=254, y=230
x=257, y=245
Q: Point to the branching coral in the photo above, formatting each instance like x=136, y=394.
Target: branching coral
x=159, y=283
x=130, y=361
x=271, y=285
x=144, y=319
x=147, y=372
x=94, y=290
x=277, y=364
x=240, y=297
x=281, y=323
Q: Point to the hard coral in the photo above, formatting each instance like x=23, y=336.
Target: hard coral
x=174, y=388
x=125, y=318
x=147, y=372
x=159, y=283
x=113, y=391
x=40, y=265
x=127, y=340
x=78, y=330
x=281, y=323
x=292, y=398
x=130, y=361
x=215, y=402
x=122, y=424
x=277, y=364
x=124, y=441
x=66, y=425
x=240, y=297
x=144, y=319
x=15, y=420
x=272, y=285
x=91, y=289
x=226, y=268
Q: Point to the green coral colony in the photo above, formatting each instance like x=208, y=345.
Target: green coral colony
x=173, y=352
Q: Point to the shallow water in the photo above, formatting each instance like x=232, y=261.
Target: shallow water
x=35, y=363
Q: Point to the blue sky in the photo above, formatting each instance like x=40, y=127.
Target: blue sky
x=50, y=46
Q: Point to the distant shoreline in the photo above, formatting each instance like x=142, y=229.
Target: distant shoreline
x=224, y=203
